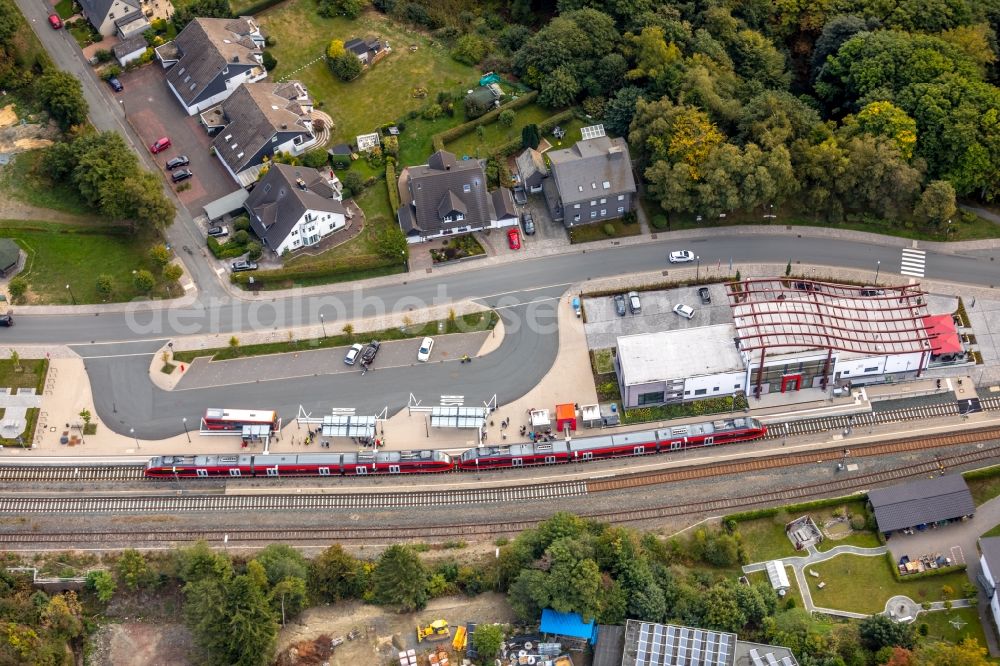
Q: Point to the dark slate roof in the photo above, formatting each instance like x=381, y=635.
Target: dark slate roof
x=919, y=502
x=340, y=149
x=9, y=252
x=991, y=551
x=208, y=46
x=581, y=171
x=503, y=203
x=280, y=201
x=97, y=10
x=531, y=166
x=130, y=45
x=610, y=644
x=254, y=113
x=442, y=178
x=131, y=17
x=359, y=46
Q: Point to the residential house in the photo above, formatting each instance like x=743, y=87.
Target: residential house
x=294, y=207
x=448, y=196
x=369, y=50
x=107, y=15
x=257, y=121
x=211, y=58
x=129, y=49
x=531, y=167
x=591, y=182
x=988, y=578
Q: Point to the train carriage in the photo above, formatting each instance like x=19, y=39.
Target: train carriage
x=515, y=455
x=199, y=466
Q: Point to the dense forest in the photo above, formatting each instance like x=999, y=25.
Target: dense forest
x=882, y=109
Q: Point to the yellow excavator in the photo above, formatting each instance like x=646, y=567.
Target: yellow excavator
x=438, y=630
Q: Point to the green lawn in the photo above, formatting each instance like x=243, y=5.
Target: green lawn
x=993, y=532
x=964, y=227
x=24, y=180
x=764, y=538
x=984, y=489
x=479, y=321
x=75, y=255
x=64, y=8
x=380, y=95
x=495, y=134
x=589, y=233
x=32, y=374
x=863, y=584
x=940, y=627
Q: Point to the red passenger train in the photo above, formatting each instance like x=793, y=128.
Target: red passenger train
x=646, y=442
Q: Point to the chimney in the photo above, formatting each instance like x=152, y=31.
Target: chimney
x=447, y=167
x=236, y=58
x=301, y=183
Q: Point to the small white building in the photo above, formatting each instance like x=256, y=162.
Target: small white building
x=990, y=575
x=778, y=577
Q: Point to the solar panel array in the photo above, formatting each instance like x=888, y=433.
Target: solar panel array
x=669, y=645
x=348, y=425
x=592, y=132
x=458, y=417
x=769, y=659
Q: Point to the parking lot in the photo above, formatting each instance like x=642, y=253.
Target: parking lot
x=604, y=325
x=154, y=112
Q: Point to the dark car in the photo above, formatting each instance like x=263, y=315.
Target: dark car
x=115, y=84
x=706, y=297
x=620, y=305
x=177, y=162
x=529, y=225
x=368, y=355
x=872, y=291
x=7, y=320
x=240, y=266
x=181, y=174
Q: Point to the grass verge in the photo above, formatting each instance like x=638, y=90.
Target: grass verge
x=595, y=231
x=477, y=321
x=24, y=180
x=32, y=374
x=939, y=625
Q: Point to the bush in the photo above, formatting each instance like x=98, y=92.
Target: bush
x=103, y=55
x=346, y=66
x=353, y=182
x=255, y=250
x=659, y=222
x=242, y=223
x=17, y=287
x=432, y=112
x=506, y=118
x=390, y=183
x=609, y=229
x=270, y=62
x=439, y=140
x=241, y=237
x=315, y=159
x=470, y=49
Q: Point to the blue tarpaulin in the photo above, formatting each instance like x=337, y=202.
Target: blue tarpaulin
x=568, y=624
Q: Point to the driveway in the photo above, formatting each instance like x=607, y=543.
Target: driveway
x=153, y=111
x=547, y=232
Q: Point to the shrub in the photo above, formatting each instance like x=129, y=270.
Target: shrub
x=105, y=284
x=353, y=182
x=144, y=281
x=432, y=112
x=346, y=66
x=609, y=229
x=315, y=159
x=103, y=55
x=390, y=182
x=254, y=250
x=659, y=222
x=270, y=62
x=506, y=117
x=858, y=522
x=17, y=287
x=241, y=237
x=242, y=223
x=470, y=49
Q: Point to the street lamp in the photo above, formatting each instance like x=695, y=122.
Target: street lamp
x=878, y=265
x=122, y=102
x=697, y=270
x=131, y=431
x=72, y=297
x=185, y=420
x=322, y=323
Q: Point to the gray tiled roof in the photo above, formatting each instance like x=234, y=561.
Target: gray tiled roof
x=443, y=179
x=207, y=47
x=503, y=203
x=610, y=643
x=281, y=202
x=130, y=45
x=919, y=502
x=97, y=10
x=991, y=551
x=254, y=113
x=581, y=171
x=531, y=166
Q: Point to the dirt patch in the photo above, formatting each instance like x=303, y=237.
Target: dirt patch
x=18, y=138
x=7, y=116
x=838, y=528
x=138, y=644
x=383, y=634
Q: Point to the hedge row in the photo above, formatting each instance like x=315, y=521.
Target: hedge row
x=985, y=473
x=227, y=251
x=656, y=286
x=547, y=125
x=452, y=133
x=258, y=7
x=940, y=571
x=744, y=516
x=310, y=271
x=390, y=182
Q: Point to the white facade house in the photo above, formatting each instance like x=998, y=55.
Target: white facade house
x=294, y=207
x=990, y=577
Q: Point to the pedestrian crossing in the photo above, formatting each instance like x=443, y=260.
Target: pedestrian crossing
x=912, y=262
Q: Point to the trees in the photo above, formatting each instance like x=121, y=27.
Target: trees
x=620, y=109
x=281, y=561
x=879, y=631
x=353, y=183
x=144, y=281
x=17, y=287
x=346, y=66
x=400, y=579
x=334, y=574
x=488, y=639
x=559, y=88
x=350, y=8
x=887, y=120
x=937, y=203
x=201, y=9
x=335, y=49
x=172, y=273
x=103, y=584
x=506, y=117
x=160, y=254
x=231, y=619
x=200, y=562
x=105, y=284
x=530, y=138
x=133, y=569
x=391, y=244
x=966, y=653
x=62, y=95
x=470, y=49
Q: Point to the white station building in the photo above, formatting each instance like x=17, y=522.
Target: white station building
x=786, y=335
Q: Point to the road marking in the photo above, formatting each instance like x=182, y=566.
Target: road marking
x=522, y=291
x=189, y=285
x=521, y=305
x=220, y=271
x=913, y=262
x=118, y=355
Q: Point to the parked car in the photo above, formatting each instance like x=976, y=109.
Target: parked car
x=177, y=162
x=160, y=145
x=352, y=353
x=244, y=265
x=514, y=239
x=181, y=174
x=633, y=302
x=706, y=297
x=218, y=231
x=7, y=320
x=369, y=353
x=520, y=196
x=680, y=257
x=529, y=225
x=620, y=305
x=424, y=353
x=872, y=291
x=807, y=286
x=115, y=84
x=55, y=21
x=685, y=311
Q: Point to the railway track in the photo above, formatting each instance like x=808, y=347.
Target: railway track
x=395, y=534
x=64, y=472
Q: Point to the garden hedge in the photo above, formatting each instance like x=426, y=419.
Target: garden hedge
x=940, y=571
x=258, y=7
x=390, y=183
x=744, y=516
x=311, y=271
x=441, y=138
x=547, y=125
x=225, y=251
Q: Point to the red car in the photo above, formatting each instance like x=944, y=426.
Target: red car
x=55, y=21
x=160, y=145
x=514, y=239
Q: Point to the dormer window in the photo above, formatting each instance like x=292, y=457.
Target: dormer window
x=593, y=186
x=235, y=146
x=187, y=78
x=606, y=184
x=240, y=156
x=459, y=217
x=227, y=137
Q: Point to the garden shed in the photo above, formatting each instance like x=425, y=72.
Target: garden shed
x=778, y=577
x=10, y=253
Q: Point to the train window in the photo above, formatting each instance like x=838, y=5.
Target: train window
x=549, y=460
x=674, y=446
x=272, y=471
x=360, y=470
x=638, y=450
x=324, y=471
x=709, y=441
x=516, y=462
x=393, y=469
x=202, y=472
x=588, y=455
x=235, y=471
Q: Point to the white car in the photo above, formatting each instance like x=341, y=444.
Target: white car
x=424, y=353
x=685, y=311
x=352, y=353
x=681, y=257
